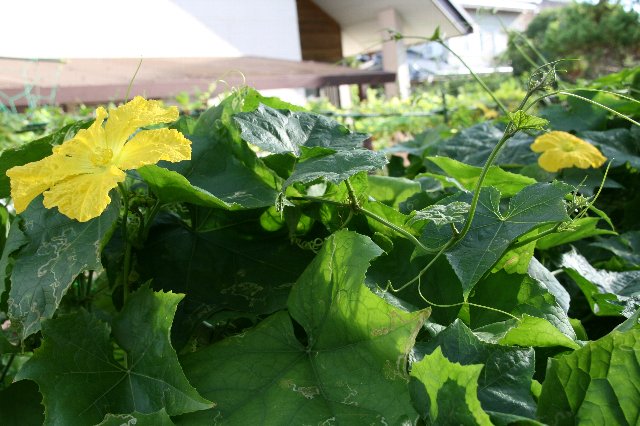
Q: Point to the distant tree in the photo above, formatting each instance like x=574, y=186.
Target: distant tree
x=605, y=37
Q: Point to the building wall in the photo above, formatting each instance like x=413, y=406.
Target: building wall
x=320, y=34
x=149, y=28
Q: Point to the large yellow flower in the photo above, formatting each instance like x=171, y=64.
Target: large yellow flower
x=79, y=174
x=562, y=150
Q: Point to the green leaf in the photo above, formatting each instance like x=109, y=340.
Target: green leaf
x=528, y=331
x=578, y=116
x=523, y=121
x=159, y=418
x=223, y=168
x=626, y=246
x=516, y=261
x=492, y=231
x=579, y=229
x=607, y=292
x=34, y=151
x=77, y=353
x=58, y=249
x=542, y=275
x=443, y=214
x=20, y=405
x=173, y=187
x=348, y=366
x=392, y=190
x=517, y=295
x=474, y=144
x=505, y=380
x=452, y=389
x=224, y=261
x=506, y=182
x=280, y=131
x=597, y=384
x=15, y=240
x=618, y=145
x=334, y=166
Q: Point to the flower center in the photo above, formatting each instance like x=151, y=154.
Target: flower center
x=101, y=156
x=567, y=146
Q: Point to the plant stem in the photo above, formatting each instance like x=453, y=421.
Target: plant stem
x=127, y=250
x=398, y=229
x=5, y=370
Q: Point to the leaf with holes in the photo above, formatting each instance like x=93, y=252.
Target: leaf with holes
x=58, y=249
x=77, y=353
x=347, y=366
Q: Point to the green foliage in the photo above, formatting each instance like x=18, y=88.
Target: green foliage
x=604, y=36
x=592, y=385
x=147, y=377
x=283, y=276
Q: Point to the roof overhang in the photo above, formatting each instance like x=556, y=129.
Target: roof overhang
x=362, y=32
x=95, y=81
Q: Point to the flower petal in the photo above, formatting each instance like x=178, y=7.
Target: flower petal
x=84, y=197
x=562, y=150
x=151, y=146
x=126, y=119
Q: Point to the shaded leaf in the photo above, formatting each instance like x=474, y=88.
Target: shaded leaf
x=392, y=190
x=58, y=249
x=452, y=390
x=505, y=380
x=517, y=295
x=542, y=275
x=618, y=145
x=20, y=405
x=626, y=246
x=349, y=367
x=607, y=292
x=77, y=353
x=597, y=384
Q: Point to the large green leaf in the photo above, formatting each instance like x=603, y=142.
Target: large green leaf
x=77, y=353
x=618, y=145
x=321, y=164
x=526, y=331
x=595, y=385
x=492, y=230
x=346, y=365
x=504, y=384
x=224, y=261
x=542, y=275
x=20, y=405
x=467, y=176
x=223, y=171
x=584, y=227
x=517, y=295
x=452, y=391
x=608, y=293
x=279, y=131
x=58, y=249
x=474, y=144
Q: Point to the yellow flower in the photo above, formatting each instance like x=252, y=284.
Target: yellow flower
x=79, y=174
x=561, y=150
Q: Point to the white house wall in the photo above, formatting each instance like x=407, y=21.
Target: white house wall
x=149, y=28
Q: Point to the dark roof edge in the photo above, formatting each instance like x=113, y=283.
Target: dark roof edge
x=458, y=16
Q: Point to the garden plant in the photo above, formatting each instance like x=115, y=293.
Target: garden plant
x=258, y=266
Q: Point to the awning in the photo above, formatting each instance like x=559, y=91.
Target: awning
x=94, y=81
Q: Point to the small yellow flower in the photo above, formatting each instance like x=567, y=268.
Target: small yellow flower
x=79, y=174
x=562, y=150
